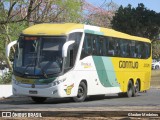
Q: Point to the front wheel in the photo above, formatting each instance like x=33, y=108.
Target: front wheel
x=82, y=93
x=39, y=99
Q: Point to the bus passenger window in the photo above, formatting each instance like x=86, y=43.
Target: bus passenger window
x=94, y=45
x=147, y=50
x=117, y=47
x=129, y=49
x=139, y=50
x=89, y=45
x=83, y=54
x=132, y=49
x=101, y=46
x=106, y=46
x=125, y=48
x=84, y=49
x=144, y=51
x=111, y=49
x=71, y=58
x=97, y=45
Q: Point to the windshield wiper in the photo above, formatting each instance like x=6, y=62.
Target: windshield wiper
x=26, y=69
x=45, y=67
x=43, y=72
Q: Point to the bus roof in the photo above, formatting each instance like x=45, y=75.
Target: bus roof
x=64, y=29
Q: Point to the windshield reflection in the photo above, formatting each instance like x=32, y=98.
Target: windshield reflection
x=39, y=55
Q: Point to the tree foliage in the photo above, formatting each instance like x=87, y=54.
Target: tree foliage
x=16, y=15
x=38, y=11
x=138, y=21
x=99, y=16
x=155, y=49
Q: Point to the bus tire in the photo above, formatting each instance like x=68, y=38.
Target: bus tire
x=39, y=99
x=82, y=93
x=130, y=89
x=136, y=89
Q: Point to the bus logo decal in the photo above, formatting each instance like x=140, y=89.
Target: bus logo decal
x=68, y=89
x=86, y=65
x=128, y=64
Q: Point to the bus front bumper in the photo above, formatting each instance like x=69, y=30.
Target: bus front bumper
x=53, y=92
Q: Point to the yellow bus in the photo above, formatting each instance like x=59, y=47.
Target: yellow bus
x=78, y=60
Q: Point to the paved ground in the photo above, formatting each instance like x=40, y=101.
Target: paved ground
x=110, y=107
x=97, y=107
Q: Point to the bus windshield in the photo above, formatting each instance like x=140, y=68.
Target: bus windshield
x=39, y=56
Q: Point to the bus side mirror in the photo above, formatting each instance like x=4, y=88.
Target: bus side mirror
x=8, y=48
x=65, y=48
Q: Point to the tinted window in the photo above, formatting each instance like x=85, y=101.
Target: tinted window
x=115, y=47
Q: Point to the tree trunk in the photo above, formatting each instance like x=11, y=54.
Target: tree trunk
x=9, y=64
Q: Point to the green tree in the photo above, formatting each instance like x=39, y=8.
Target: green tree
x=138, y=21
x=72, y=10
x=16, y=15
x=155, y=49
x=9, y=29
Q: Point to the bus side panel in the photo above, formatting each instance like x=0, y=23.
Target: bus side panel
x=132, y=69
x=99, y=74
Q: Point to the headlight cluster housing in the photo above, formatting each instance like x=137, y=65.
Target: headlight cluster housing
x=57, y=82
x=54, y=83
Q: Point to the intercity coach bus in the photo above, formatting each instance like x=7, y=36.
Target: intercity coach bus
x=77, y=60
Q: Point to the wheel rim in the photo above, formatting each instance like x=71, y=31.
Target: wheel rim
x=130, y=89
x=137, y=87
x=80, y=92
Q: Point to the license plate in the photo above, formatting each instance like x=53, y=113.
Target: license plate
x=33, y=92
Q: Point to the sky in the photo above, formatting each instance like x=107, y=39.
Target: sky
x=149, y=4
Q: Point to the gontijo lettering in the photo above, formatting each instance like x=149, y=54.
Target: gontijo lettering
x=128, y=64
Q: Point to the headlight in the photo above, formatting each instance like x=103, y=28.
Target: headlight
x=57, y=82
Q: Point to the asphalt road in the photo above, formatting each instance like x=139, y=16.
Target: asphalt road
x=144, y=101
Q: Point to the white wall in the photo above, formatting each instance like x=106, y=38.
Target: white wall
x=5, y=90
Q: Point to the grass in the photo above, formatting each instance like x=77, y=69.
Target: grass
x=155, y=78
x=155, y=73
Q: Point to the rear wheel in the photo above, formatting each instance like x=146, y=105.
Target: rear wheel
x=82, y=93
x=39, y=99
x=136, y=88
x=130, y=89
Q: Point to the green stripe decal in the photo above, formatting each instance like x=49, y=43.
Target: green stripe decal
x=105, y=71
x=94, y=32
